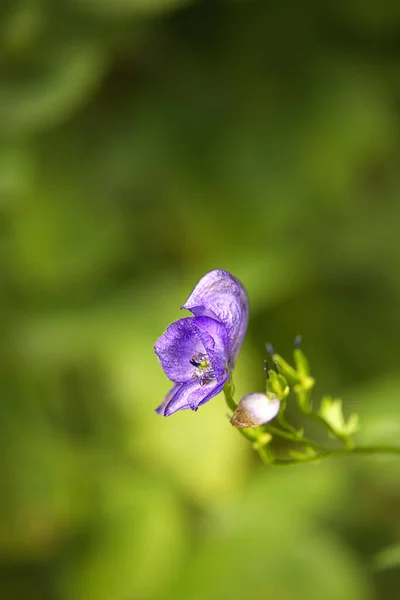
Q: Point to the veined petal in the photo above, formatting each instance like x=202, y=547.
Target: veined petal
x=160, y=409
x=220, y=295
x=216, y=390
x=189, y=338
x=192, y=395
x=254, y=410
x=176, y=347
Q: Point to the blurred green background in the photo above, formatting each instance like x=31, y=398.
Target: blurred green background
x=143, y=143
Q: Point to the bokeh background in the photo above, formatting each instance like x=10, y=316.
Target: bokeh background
x=143, y=143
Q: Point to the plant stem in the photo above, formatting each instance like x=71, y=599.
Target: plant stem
x=293, y=438
x=265, y=455
x=255, y=435
x=228, y=396
x=282, y=419
x=341, y=451
x=371, y=450
x=316, y=417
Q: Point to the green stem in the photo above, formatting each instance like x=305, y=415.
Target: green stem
x=232, y=406
x=293, y=438
x=265, y=455
x=346, y=440
x=228, y=396
x=307, y=411
x=316, y=417
x=341, y=451
x=282, y=419
x=321, y=452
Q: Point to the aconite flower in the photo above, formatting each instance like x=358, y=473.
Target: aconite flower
x=197, y=353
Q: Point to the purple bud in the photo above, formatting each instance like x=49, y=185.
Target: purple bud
x=255, y=409
x=270, y=349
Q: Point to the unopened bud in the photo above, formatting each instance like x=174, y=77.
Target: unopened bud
x=277, y=386
x=255, y=409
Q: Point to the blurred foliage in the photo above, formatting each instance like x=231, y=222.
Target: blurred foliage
x=144, y=142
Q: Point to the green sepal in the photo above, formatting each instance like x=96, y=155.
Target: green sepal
x=277, y=386
x=306, y=383
x=302, y=364
x=286, y=370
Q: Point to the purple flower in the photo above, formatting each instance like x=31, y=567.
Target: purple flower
x=197, y=353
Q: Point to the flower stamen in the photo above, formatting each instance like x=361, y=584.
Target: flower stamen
x=194, y=363
x=203, y=370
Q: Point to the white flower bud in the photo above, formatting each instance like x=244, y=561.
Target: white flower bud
x=254, y=410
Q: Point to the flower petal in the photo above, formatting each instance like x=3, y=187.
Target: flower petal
x=190, y=337
x=220, y=295
x=160, y=409
x=214, y=338
x=216, y=390
x=176, y=347
x=254, y=410
x=192, y=395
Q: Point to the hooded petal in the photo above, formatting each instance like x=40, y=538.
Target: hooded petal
x=254, y=410
x=192, y=395
x=188, y=338
x=221, y=296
